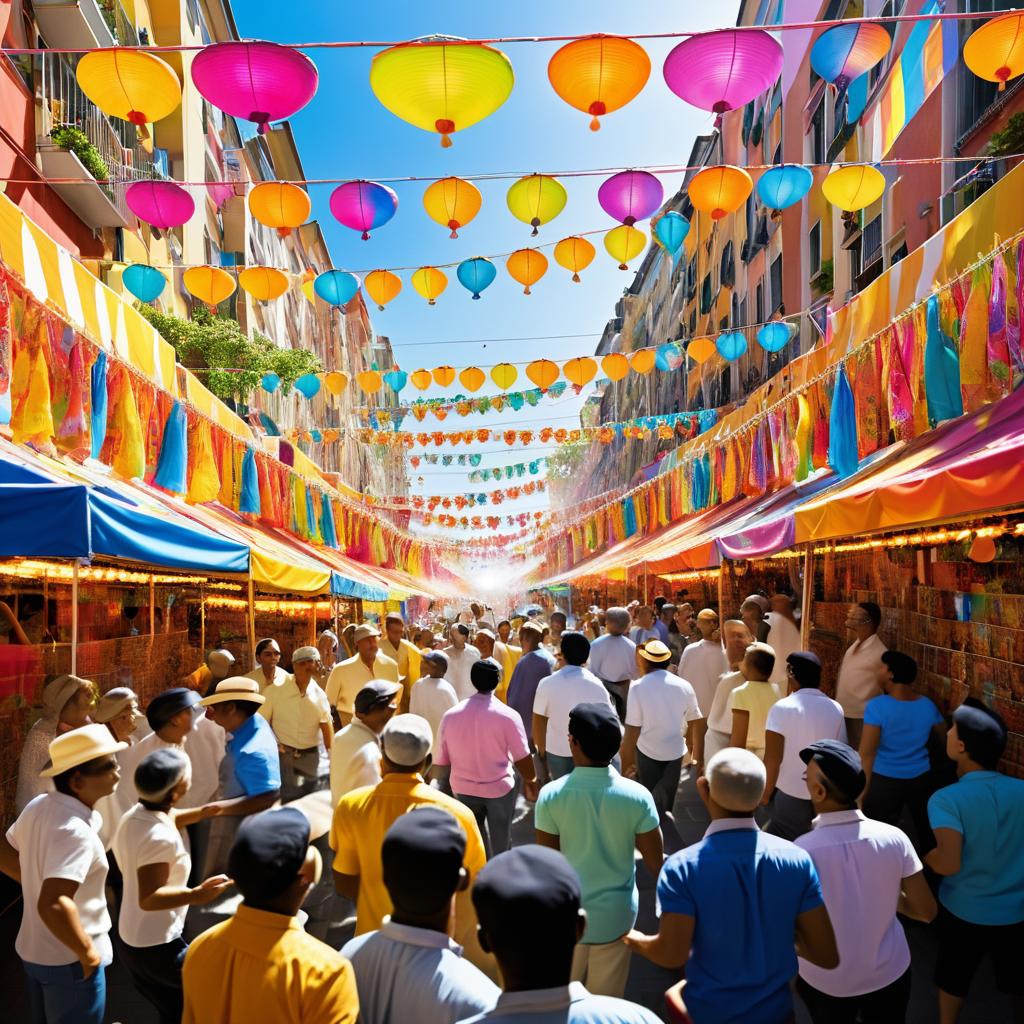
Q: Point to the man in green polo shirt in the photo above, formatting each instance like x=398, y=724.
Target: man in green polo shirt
x=596, y=818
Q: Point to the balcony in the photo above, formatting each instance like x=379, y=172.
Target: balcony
x=82, y=24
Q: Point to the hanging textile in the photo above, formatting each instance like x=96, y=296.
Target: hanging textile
x=5, y=351
x=203, y=479
x=249, y=496
x=629, y=518
x=31, y=410
x=172, y=466
x=803, y=438
x=842, y=448
x=866, y=389
x=73, y=432
x=327, y=530
x=124, y=451
x=998, y=346
x=897, y=384
x=98, y=404
x=974, y=341
x=941, y=369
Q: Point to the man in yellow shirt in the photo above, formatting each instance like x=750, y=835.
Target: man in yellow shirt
x=218, y=666
x=260, y=965
x=348, y=677
x=406, y=654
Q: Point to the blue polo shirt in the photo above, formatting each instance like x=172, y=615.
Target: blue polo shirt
x=987, y=809
x=903, y=742
x=255, y=762
x=531, y=668
x=745, y=890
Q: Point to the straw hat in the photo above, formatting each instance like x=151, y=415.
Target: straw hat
x=656, y=651
x=78, y=746
x=235, y=688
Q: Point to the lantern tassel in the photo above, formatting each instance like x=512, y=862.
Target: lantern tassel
x=595, y=124
x=284, y=232
x=454, y=234
x=446, y=142
x=622, y=266
x=575, y=278
x=526, y=290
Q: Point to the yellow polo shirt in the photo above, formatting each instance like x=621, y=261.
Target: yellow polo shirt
x=407, y=655
x=348, y=677
x=259, y=966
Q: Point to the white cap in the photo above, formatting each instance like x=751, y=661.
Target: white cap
x=305, y=654
x=406, y=740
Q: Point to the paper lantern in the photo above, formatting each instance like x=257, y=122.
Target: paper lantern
x=642, y=361
x=995, y=51
x=430, y=283
x=382, y=286
x=854, y=186
x=308, y=384
x=599, y=74
x=441, y=85
x=845, y=52
x=336, y=287
x=257, y=81
x=209, y=284
x=363, y=206
x=625, y=243
x=719, y=191
x=504, y=375
x=444, y=375
x=421, y=379
x=279, y=204
x=700, y=350
x=452, y=203
x=472, y=378
x=163, y=204
x=574, y=254
x=543, y=373
x=782, y=186
x=396, y=379
x=580, y=371
x=774, y=337
x=335, y=382
x=982, y=549
x=723, y=70
x=536, y=199
x=131, y=85
x=307, y=290
x=615, y=366
x=527, y=266
x=145, y=283
x=476, y=274
x=668, y=357
x=263, y=283
x=671, y=230
x=270, y=382
x=630, y=196
x=731, y=345
x=370, y=381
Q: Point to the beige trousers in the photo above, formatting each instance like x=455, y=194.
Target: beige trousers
x=603, y=967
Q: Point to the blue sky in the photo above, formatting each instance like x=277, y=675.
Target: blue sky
x=346, y=133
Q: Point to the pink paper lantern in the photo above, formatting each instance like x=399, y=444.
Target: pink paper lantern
x=257, y=81
x=723, y=70
x=363, y=205
x=163, y=204
x=630, y=196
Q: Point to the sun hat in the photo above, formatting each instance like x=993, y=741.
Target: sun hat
x=235, y=688
x=78, y=746
x=656, y=651
x=364, y=632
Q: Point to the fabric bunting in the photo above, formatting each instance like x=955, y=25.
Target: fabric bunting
x=249, y=500
x=172, y=467
x=941, y=369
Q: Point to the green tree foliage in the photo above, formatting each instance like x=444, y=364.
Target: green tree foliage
x=67, y=136
x=1010, y=140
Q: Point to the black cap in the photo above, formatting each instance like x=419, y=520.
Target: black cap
x=902, y=666
x=268, y=852
x=164, y=706
x=485, y=675
x=595, y=727
x=436, y=658
x=422, y=855
x=981, y=731
x=374, y=694
x=839, y=763
x=806, y=667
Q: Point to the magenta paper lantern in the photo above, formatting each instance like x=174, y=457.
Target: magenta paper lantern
x=163, y=204
x=630, y=196
x=363, y=205
x=257, y=81
x=723, y=70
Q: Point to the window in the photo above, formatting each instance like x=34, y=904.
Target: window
x=776, y=282
x=727, y=275
x=705, y=295
x=976, y=95
x=817, y=135
x=871, y=241
x=814, y=248
x=759, y=302
x=899, y=253
x=888, y=10
x=693, y=322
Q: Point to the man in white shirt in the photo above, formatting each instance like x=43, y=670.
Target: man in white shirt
x=462, y=656
x=859, y=672
x=433, y=695
x=701, y=665
x=348, y=677
x=268, y=671
x=613, y=657
x=783, y=635
x=869, y=872
x=736, y=638
x=645, y=628
x=661, y=717
x=793, y=723
x=556, y=696
x=355, y=750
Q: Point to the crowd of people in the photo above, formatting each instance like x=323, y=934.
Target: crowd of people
x=428, y=749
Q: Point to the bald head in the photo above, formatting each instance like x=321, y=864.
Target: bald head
x=736, y=638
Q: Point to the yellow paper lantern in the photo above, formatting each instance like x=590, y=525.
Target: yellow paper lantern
x=615, y=366
x=527, y=266
x=335, y=382
x=543, y=373
x=853, y=187
x=382, y=286
x=421, y=379
x=504, y=375
x=574, y=254
x=625, y=243
x=719, y=191
x=444, y=375
x=580, y=371
x=472, y=378
x=209, y=284
x=452, y=203
x=370, y=381
x=441, y=85
x=536, y=199
x=263, y=283
x=279, y=204
x=995, y=51
x=132, y=85
x=642, y=360
x=430, y=283
x=700, y=350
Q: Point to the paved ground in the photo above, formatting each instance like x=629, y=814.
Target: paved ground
x=330, y=919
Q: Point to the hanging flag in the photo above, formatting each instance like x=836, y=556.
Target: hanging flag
x=172, y=464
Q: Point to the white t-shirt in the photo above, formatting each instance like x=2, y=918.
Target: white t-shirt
x=861, y=864
x=294, y=716
x=802, y=718
x=661, y=704
x=858, y=675
x=459, y=665
x=720, y=715
x=430, y=698
x=149, y=837
x=701, y=665
x=355, y=759
x=557, y=695
x=613, y=658
x=783, y=639
x=57, y=836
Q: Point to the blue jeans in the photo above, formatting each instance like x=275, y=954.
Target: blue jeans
x=59, y=995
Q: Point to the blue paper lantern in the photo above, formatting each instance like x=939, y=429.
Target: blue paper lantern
x=784, y=185
x=308, y=384
x=336, y=287
x=145, y=283
x=316, y=436
x=396, y=380
x=270, y=382
x=774, y=337
x=731, y=346
x=476, y=274
x=671, y=230
x=668, y=356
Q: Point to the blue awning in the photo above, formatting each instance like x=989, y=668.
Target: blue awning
x=341, y=586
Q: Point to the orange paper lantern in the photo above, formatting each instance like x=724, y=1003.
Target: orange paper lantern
x=995, y=51
x=719, y=191
x=370, y=381
x=700, y=350
x=263, y=283
x=279, y=204
x=527, y=266
x=336, y=382
x=382, y=286
x=543, y=373
x=643, y=360
x=471, y=378
x=504, y=375
x=574, y=254
x=580, y=371
x=452, y=203
x=420, y=379
x=209, y=284
x=444, y=375
x=615, y=366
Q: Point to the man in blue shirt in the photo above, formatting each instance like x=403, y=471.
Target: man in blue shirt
x=250, y=773
x=737, y=907
x=979, y=831
x=535, y=664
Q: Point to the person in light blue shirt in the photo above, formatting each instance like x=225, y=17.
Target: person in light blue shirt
x=979, y=833
x=894, y=748
x=535, y=664
x=598, y=820
x=410, y=969
x=737, y=907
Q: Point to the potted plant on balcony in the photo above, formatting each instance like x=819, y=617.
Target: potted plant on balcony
x=73, y=139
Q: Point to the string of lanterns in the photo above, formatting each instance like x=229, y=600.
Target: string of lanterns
x=460, y=501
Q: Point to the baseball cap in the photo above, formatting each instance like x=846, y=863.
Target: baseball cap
x=422, y=856
x=164, y=706
x=364, y=631
x=268, y=852
x=595, y=727
x=305, y=654
x=375, y=693
x=806, y=667
x=406, y=740
x=839, y=763
x=435, y=658
x=981, y=731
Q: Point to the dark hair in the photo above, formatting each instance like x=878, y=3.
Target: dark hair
x=560, y=616
x=504, y=622
x=872, y=611
x=982, y=731
x=763, y=661
x=575, y=648
x=902, y=666
x=62, y=782
x=263, y=645
x=461, y=627
x=248, y=708
x=659, y=601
